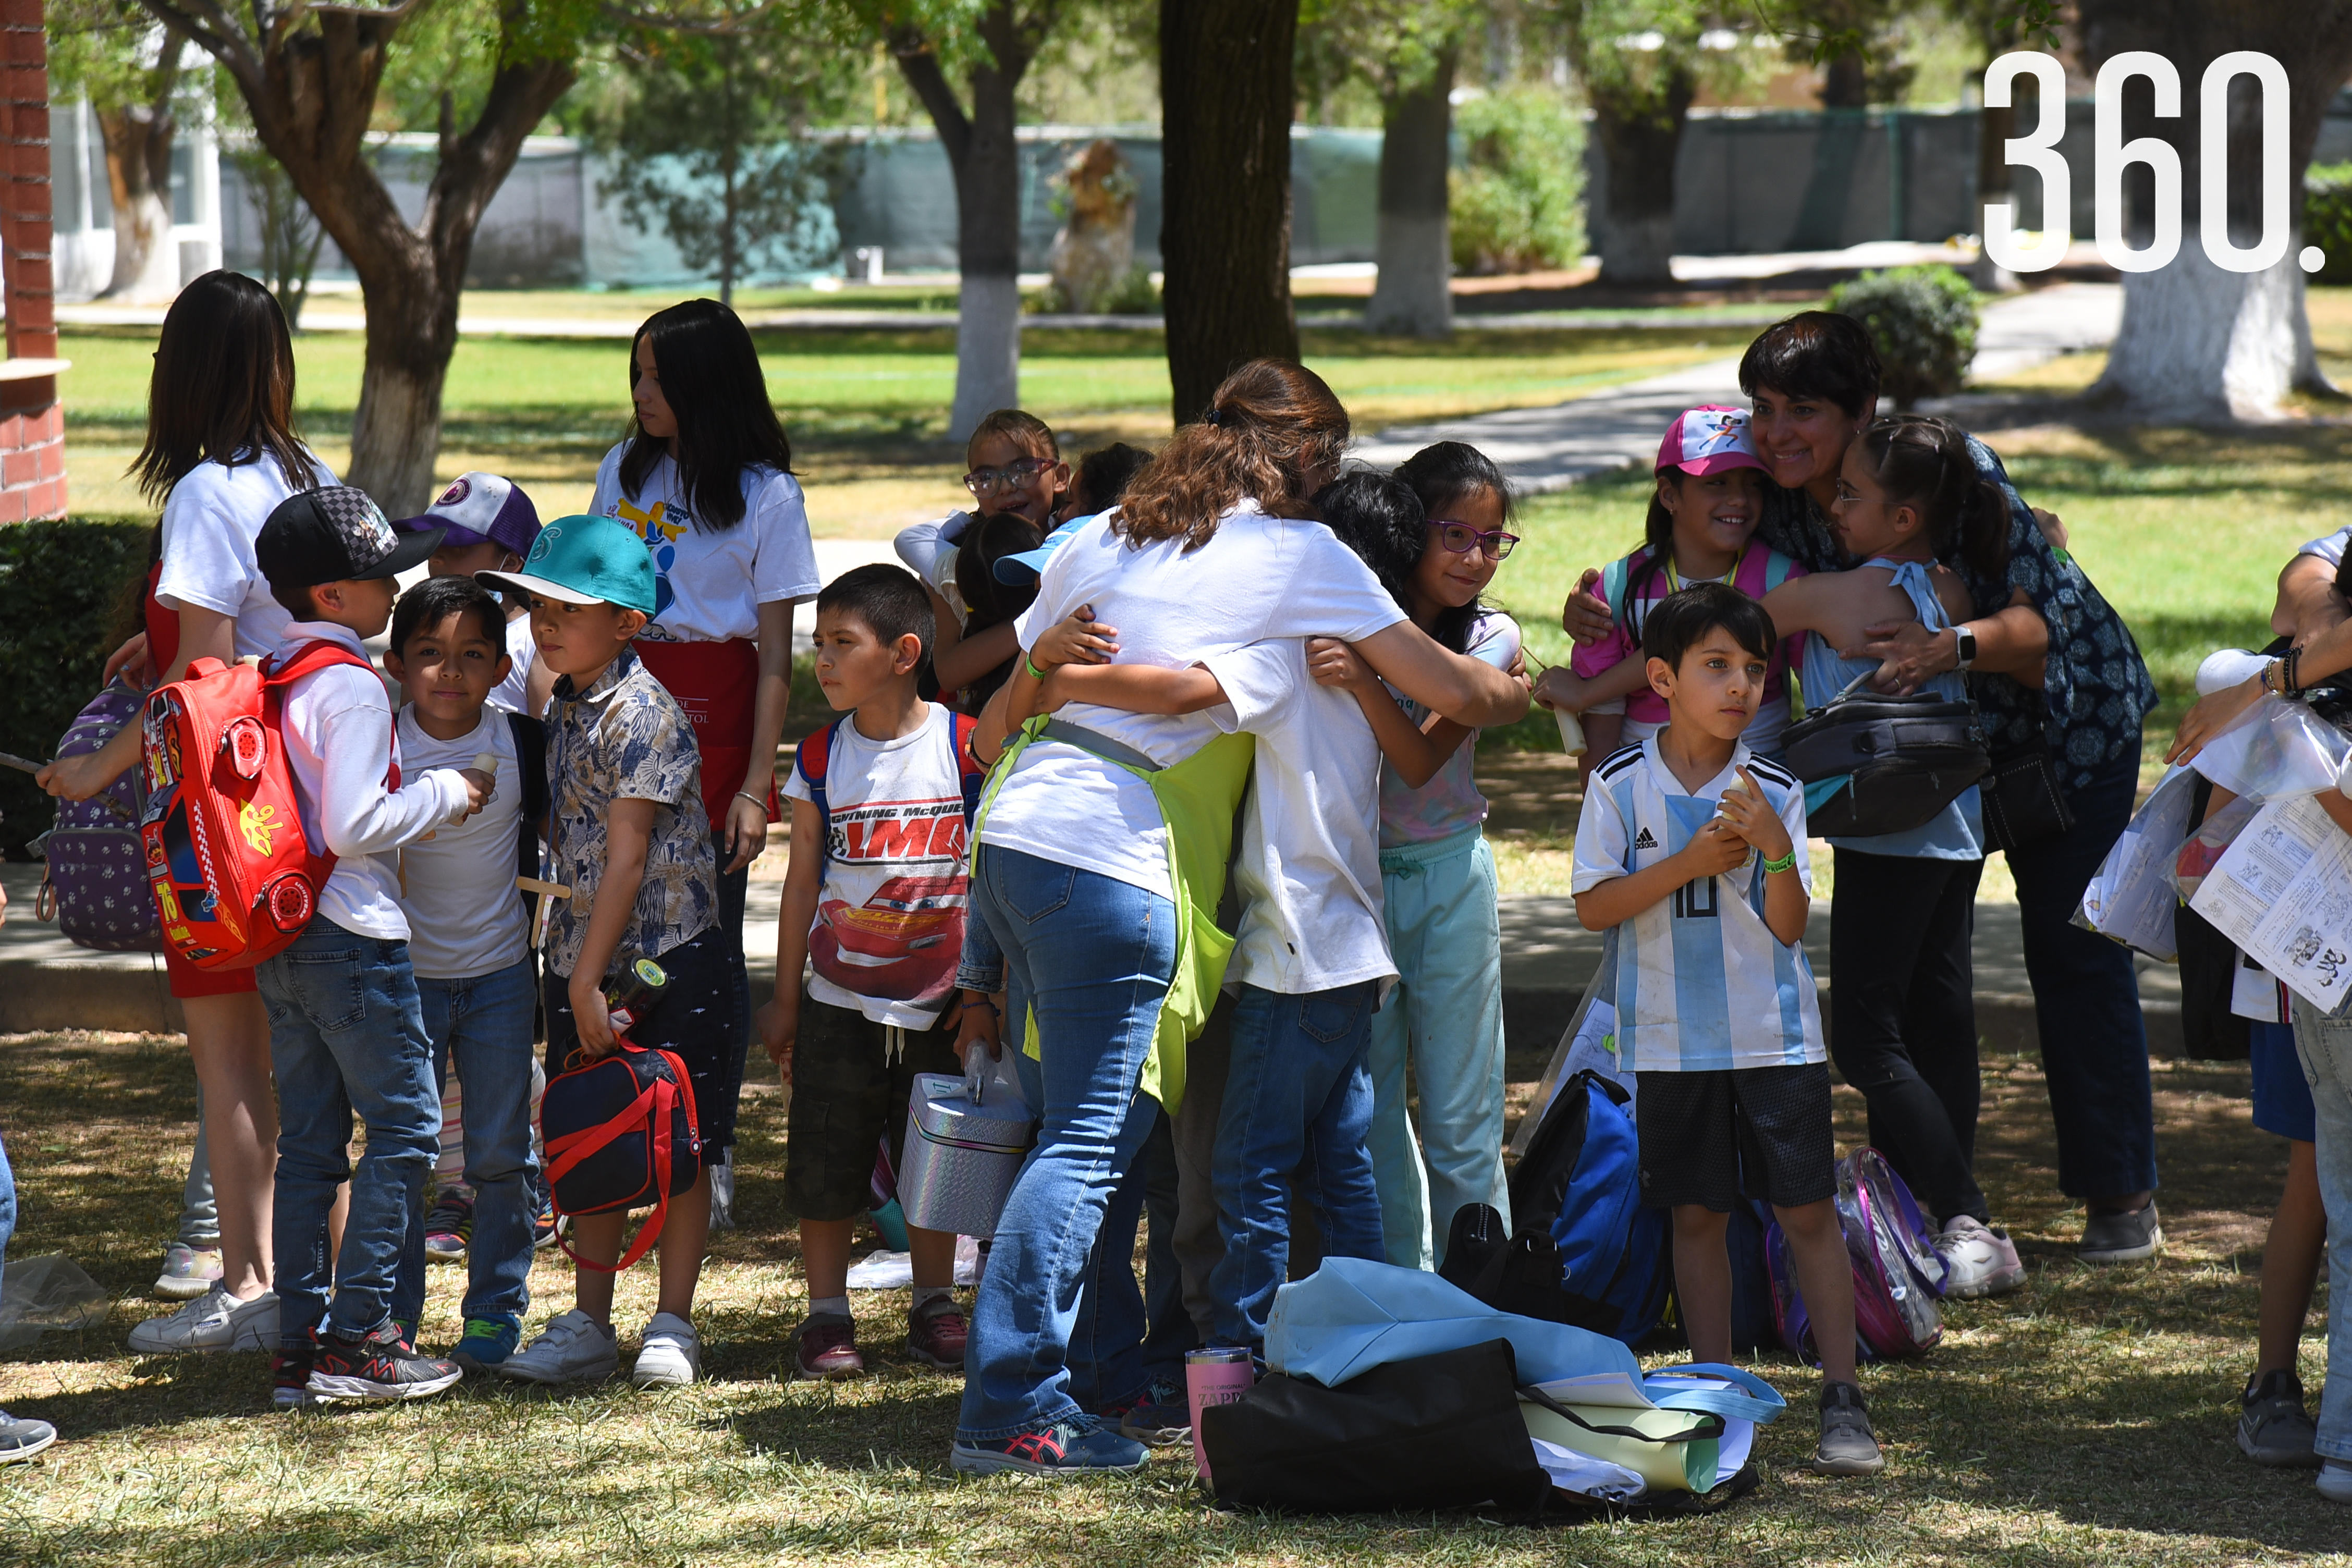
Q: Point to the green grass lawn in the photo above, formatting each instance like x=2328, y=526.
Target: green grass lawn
x=2085, y=1421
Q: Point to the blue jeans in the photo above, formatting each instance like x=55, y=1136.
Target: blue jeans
x=2086, y=999
x=1299, y=1099
x=345, y=1035
x=482, y=1026
x=2326, y=1047
x=1093, y=957
x=7, y=1207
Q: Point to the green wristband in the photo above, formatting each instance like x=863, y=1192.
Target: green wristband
x=1785, y=863
x=1034, y=672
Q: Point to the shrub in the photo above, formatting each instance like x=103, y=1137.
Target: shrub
x=1923, y=320
x=1517, y=190
x=68, y=591
x=2327, y=218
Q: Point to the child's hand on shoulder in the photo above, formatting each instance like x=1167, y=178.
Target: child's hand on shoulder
x=1335, y=663
x=1077, y=639
x=1751, y=816
x=779, y=1024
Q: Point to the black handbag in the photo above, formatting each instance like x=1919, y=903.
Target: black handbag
x=1436, y=1432
x=1904, y=759
x=2023, y=803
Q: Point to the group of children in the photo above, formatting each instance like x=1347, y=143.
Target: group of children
x=536, y=741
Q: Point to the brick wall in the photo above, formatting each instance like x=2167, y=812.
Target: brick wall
x=32, y=425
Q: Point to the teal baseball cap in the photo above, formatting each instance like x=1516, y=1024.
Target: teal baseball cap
x=588, y=561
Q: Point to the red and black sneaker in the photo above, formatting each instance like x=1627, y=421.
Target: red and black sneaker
x=1077, y=1446
x=937, y=1334
x=379, y=1367
x=826, y=1348
x=289, y=1377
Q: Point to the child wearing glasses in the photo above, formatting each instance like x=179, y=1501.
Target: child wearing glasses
x=1435, y=538
x=1701, y=529
x=1017, y=482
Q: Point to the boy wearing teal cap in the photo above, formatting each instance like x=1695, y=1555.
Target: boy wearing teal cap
x=627, y=836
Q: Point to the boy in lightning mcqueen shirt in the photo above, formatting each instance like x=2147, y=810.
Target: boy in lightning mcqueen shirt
x=874, y=906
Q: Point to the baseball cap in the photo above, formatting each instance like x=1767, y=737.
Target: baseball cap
x=588, y=561
x=1022, y=571
x=335, y=534
x=1708, y=440
x=480, y=509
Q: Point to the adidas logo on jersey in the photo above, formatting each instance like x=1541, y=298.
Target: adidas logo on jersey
x=1642, y=840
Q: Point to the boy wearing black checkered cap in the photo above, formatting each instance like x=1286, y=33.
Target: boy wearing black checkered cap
x=345, y=1031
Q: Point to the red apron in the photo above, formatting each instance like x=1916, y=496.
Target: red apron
x=717, y=683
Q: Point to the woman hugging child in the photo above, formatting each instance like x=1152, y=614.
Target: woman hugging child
x=1701, y=529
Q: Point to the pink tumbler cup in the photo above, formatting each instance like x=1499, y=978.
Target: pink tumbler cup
x=1214, y=1377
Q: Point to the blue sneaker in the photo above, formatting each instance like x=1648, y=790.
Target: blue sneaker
x=1077, y=1446
x=486, y=1342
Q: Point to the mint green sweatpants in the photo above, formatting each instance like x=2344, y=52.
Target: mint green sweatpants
x=1446, y=1017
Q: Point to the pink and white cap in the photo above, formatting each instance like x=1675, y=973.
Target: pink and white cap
x=1708, y=440
x=480, y=508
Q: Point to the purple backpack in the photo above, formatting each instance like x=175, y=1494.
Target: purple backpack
x=1897, y=1272
x=95, y=884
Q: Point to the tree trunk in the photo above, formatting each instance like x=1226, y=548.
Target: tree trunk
x=1227, y=95
x=1639, y=142
x=2199, y=343
x=139, y=183
x=1416, y=257
x=986, y=158
x=1844, y=84
x=311, y=94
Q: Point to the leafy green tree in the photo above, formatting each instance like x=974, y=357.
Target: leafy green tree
x=132, y=71
x=311, y=76
x=709, y=145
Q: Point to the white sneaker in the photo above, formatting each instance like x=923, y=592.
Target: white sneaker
x=215, y=1320
x=573, y=1347
x=1977, y=1259
x=670, y=1356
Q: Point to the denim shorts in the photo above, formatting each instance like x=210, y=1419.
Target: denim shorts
x=695, y=1020
x=2281, y=1094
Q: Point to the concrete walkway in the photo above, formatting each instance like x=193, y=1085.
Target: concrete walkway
x=1551, y=448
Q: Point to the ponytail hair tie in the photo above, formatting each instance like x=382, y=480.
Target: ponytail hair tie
x=1216, y=417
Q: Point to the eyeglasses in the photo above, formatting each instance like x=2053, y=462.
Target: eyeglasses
x=1460, y=538
x=1017, y=475
x=1847, y=495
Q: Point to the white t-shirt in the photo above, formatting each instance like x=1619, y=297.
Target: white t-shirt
x=210, y=521
x=513, y=693
x=928, y=550
x=720, y=580
x=464, y=918
x=2330, y=549
x=1310, y=857
x=890, y=911
x=1702, y=983
x=339, y=743
x=1259, y=578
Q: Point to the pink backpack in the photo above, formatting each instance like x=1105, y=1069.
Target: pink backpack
x=1897, y=1272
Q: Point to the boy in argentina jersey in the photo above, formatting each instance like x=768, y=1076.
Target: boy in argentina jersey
x=1695, y=851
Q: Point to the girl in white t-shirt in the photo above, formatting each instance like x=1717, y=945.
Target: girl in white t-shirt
x=1434, y=533
x=705, y=479
x=220, y=453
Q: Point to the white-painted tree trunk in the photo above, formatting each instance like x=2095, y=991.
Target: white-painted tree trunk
x=2199, y=344
x=988, y=350
x=1412, y=295
x=146, y=258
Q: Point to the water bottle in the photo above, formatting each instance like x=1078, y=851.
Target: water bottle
x=633, y=994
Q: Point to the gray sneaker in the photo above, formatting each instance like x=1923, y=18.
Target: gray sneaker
x=21, y=1439
x=2114, y=1236
x=2275, y=1429
x=1848, y=1446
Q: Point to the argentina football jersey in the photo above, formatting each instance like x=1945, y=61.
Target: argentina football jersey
x=1702, y=983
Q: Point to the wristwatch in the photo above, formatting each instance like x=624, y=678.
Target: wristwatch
x=1967, y=642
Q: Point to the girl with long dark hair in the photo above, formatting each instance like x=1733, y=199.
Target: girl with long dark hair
x=705, y=479
x=220, y=453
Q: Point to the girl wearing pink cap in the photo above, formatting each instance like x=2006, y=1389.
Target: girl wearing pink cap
x=1701, y=529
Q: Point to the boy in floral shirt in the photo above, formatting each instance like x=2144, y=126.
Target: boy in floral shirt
x=628, y=837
